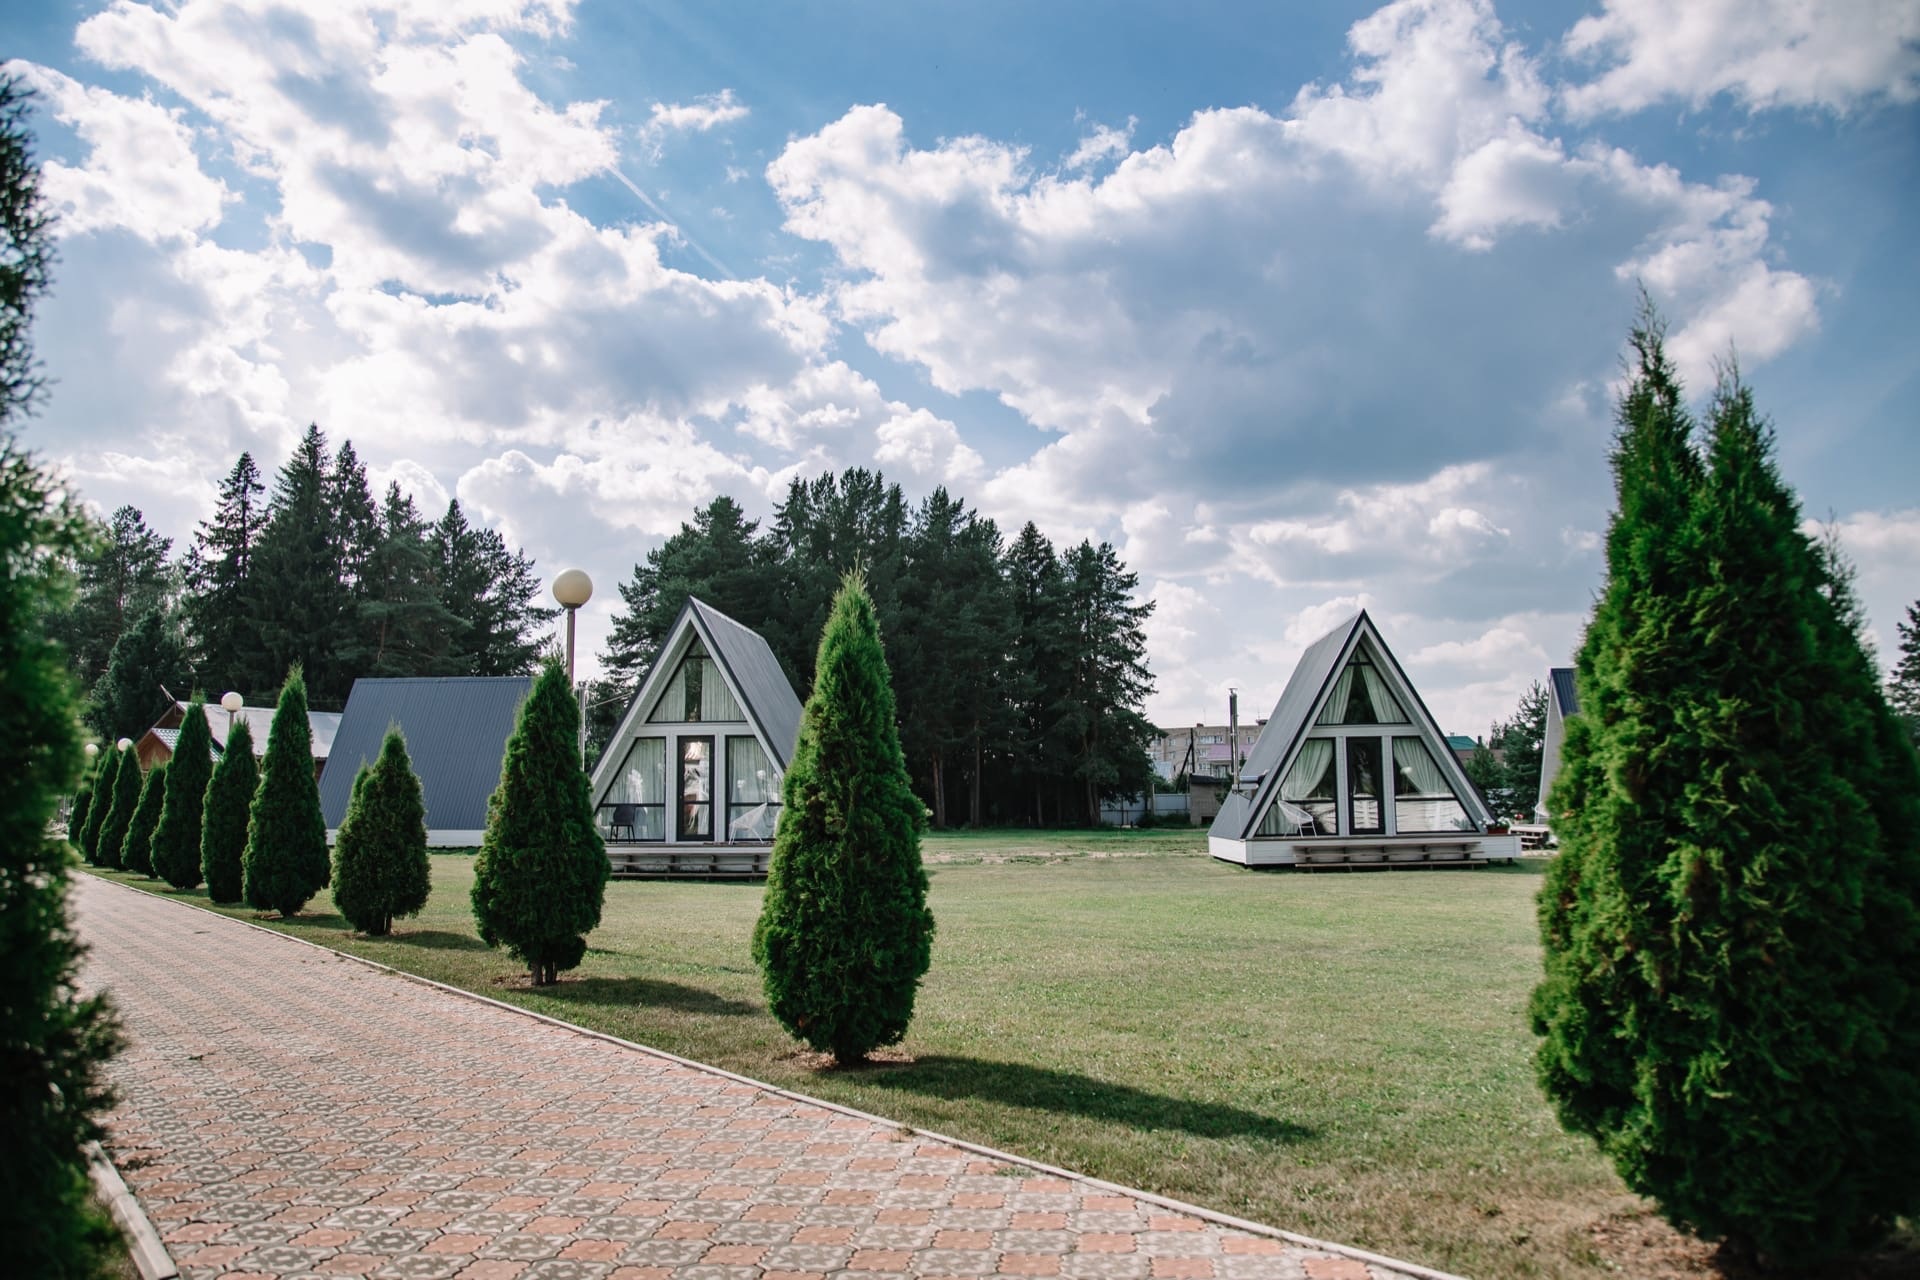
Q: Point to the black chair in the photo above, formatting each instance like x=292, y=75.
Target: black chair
x=626, y=817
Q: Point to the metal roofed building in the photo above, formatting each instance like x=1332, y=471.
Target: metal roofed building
x=157, y=743
x=690, y=782
x=1352, y=771
x=456, y=729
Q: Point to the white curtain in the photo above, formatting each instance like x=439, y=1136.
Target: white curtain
x=1316, y=756
x=673, y=703
x=643, y=778
x=1416, y=765
x=1386, y=708
x=716, y=704
x=1336, y=712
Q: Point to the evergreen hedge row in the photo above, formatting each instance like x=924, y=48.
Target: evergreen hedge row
x=136, y=851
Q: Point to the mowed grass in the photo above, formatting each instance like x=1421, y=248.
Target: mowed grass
x=1344, y=1055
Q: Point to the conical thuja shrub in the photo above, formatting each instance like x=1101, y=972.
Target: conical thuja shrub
x=285, y=862
x=380, y=867
x=223, y=834
x=97, y=811
x=845, y=935
x=122, y=798
x=1732, y=939
x=176, y=841
x=541, y=875
x=136, y=851
x=82, y=802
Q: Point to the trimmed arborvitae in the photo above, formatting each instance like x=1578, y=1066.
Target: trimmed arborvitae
x=286, y=859
x=541, y=874
x=845, y=936
x=83, y=802
x=103, y=784
x=380, y=865
x=136, y=851
x=223, y=835
x=176, y=841
x=1733, y=928
x=121, y=801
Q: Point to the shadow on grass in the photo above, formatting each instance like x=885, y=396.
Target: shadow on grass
x=434, y=939
x=1044, y=1089
x=649, y=992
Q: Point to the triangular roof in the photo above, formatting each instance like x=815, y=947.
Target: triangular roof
x=1560, y=682
x=747, y=664
x=456, y=729
x=1300, y=704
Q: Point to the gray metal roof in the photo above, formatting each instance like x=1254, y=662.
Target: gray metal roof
x=456, y=729
x=1564, y=691
x=321, y=726
x=765, y=695
x=1293, y=714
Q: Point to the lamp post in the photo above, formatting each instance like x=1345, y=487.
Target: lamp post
x=232, y=702
x=573, y=588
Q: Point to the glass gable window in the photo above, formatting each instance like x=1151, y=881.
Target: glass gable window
x=1422, y=798
x=1361, y=696
x=635, y=807
x=1305, y=805
x=696, y=694
x=753, y=791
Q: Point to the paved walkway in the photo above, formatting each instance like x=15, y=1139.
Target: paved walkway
x=289, y=1112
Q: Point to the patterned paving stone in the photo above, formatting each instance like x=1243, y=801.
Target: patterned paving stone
x=289, y=1113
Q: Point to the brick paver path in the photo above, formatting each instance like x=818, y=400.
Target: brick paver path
x=289, y=1112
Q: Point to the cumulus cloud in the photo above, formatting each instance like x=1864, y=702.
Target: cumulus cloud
x=1762, y=53
x=141, y=174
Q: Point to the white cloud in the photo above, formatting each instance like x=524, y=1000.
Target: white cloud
x=928, y=447
x=1762, y=53
x=141, y=173
x=1104, y=143
x=700, y=116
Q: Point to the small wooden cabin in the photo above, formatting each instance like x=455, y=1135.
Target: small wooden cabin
x=690, y=783
x=1352, y=772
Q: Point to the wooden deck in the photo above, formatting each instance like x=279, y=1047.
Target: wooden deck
x=652, y=860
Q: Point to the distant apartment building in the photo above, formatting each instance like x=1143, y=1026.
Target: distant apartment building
x=1202, y=750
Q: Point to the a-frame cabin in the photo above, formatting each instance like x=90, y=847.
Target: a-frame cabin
x=1351, y=771
x=690, y=783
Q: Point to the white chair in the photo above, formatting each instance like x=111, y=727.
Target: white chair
x=1302, y=820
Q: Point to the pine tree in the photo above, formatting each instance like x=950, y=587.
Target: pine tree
x=1733, y=939
x=223, y=836
x=845, y=935
x=1903, y=688
x=122, y=798
x=123, y=576
x=492, y=591
x=1109, y=679
x=301, y=603
x=380, y=867
x=176, y=840
x=55, y=1038
x=541, y=874
x=285, y=862
x=148, y=660
x=136, y=851
x=220, y=582
x=409, y=627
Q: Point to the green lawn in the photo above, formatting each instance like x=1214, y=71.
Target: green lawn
x=1341, y=1055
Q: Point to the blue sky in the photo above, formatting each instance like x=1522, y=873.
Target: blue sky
x=1300, y=306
